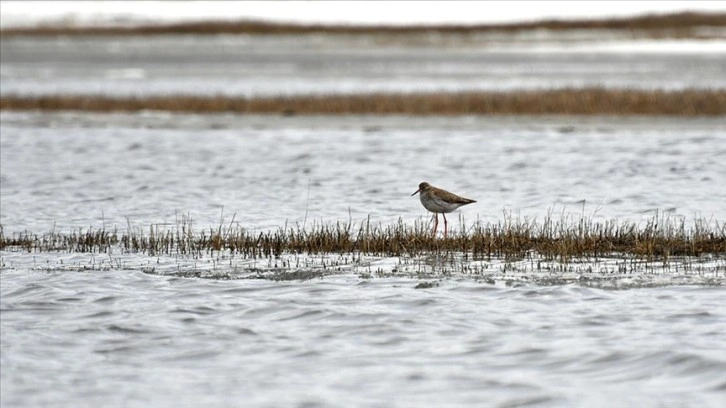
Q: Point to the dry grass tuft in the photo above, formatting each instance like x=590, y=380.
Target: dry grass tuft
x=569, y=101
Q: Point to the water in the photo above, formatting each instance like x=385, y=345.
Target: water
x=127, y=329
x=122, y=329
x=70, y=171
x=271, y=65
x=131, y=339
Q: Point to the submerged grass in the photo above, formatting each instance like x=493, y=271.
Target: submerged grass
x=512, y=238
x=566, y=101
x=676, y=25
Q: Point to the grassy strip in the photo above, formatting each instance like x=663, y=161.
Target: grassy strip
x=586, y=101
x=657, y=239
x=678, y=25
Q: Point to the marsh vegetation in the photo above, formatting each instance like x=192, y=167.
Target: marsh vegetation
x=570, y=101
x=513, y=237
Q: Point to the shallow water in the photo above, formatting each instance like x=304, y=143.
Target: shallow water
x=119, y=329
x=68, y=170
x=131, y=339
x=273, y=65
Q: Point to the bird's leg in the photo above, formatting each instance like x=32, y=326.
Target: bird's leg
x=445, y=224
x=436, y=223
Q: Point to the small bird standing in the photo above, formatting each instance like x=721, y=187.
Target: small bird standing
x=439, y=201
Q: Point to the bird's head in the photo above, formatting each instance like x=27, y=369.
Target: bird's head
x=422, y=187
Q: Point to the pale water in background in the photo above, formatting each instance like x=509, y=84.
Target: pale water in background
x=239, y=65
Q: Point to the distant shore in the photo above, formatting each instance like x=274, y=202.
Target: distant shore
x=570, y=101
x=677, y=25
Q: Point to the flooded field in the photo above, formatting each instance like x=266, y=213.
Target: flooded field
x=125, y=328
x=254, y=320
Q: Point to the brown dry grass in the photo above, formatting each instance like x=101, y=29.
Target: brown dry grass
x=587, y=101
x=657, y=239
x=678, y=25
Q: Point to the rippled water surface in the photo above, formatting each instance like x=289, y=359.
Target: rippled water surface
x=68, y=170
x=124, y=338
x=119, y=329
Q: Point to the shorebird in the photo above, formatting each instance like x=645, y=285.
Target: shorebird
x=439, y=201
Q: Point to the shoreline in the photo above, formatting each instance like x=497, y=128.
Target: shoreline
x=674, y=25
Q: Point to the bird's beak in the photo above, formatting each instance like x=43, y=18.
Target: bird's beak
x=415, y=192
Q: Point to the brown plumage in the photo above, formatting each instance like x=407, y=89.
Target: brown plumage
x=440, y=201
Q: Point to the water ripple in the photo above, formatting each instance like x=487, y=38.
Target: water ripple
x=76, y=332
